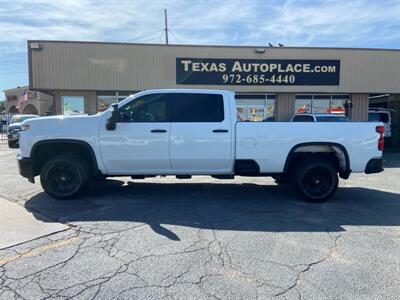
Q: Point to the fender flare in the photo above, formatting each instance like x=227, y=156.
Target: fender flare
x=343, y=174
x=68, y=141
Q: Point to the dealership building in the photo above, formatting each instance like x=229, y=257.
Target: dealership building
x=271, y=83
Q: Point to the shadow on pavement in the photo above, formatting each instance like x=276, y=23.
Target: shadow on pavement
x=241, y=207
x=391, y=159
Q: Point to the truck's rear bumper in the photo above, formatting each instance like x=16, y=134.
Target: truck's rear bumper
x=25, y=167
x=375, y=165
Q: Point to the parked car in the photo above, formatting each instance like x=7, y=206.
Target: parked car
x=381, y=115
x=193, y=132
x=14, y=128
x=304, y=117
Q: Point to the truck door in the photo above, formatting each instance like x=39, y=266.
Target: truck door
x=140, y=142
x=201, y=137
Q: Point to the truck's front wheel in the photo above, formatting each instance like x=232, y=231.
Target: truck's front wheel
x=315, y=180
x=64, y=177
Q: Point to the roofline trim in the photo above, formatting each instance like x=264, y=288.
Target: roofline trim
x=210, y=46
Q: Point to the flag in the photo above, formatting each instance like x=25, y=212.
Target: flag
x=22, y=99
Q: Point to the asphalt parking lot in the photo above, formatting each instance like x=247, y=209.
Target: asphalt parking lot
x=204, y=238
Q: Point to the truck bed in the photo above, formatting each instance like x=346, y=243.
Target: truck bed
x=269, y=143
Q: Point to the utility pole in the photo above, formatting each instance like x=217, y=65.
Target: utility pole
x=166, y=26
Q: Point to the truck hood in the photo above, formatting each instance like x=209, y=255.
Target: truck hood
x=63, y=126
x=57, y=117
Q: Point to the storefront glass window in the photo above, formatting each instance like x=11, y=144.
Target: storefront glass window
x=338, y=106
x=303, y=106
x=104, y=102
x=106, y=98
x=321, y=104
x=256, y=113
x=242, y=113
x=72, y=105
x=255, y=107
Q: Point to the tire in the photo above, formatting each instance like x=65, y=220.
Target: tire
x=65, y=177
x=315, y=180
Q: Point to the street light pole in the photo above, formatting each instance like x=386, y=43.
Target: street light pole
x=166, y=26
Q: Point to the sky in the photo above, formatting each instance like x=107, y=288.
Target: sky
x=334, y=23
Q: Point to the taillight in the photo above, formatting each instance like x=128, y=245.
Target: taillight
x=381, y=141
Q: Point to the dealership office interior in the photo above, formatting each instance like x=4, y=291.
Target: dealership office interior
x=271, y=83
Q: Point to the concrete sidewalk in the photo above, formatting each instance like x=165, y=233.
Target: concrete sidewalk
x=17, y=225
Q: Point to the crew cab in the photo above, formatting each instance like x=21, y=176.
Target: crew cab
x=193, y=132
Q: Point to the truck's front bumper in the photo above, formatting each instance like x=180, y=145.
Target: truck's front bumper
x=375, y=165
x=25, y=167
x=12, y=137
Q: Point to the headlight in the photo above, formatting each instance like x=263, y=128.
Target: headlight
x=25, y=127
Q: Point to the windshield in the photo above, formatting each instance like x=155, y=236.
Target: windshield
x=19, y=119
x=331, y=119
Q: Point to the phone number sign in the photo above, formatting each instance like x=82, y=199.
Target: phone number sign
x=214, y=71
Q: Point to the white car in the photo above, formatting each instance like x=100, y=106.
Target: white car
x=381, y=115
x=306, y=117
x=14, y=128
x=193, y=132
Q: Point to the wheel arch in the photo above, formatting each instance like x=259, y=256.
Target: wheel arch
x=339, y=151
x=55, y=147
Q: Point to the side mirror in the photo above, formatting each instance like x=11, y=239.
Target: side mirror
x=112, y=120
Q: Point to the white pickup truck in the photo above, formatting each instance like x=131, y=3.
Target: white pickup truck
x=193, y=132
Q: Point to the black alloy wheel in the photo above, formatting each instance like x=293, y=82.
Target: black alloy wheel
x=64, y=177
x=316, y=181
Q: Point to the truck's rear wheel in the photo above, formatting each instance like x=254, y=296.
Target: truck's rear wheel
x=64, y=177
x=315, y=180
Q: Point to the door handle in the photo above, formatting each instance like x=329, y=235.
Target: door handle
x=220, y=130
x=158, y=130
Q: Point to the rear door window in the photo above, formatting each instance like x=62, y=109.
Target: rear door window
x=187, y=107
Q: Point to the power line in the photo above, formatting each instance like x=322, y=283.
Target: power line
x=159, y=37
x=176, y=39
x=144, y=36
x=11, y=73
x=11, y=59
x=12, y=62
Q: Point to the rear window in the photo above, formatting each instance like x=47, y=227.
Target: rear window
x=305, y=118
x=378, y=117
x=186, y=107
x=331, y=119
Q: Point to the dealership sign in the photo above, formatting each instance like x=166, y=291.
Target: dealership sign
x=215, y=71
